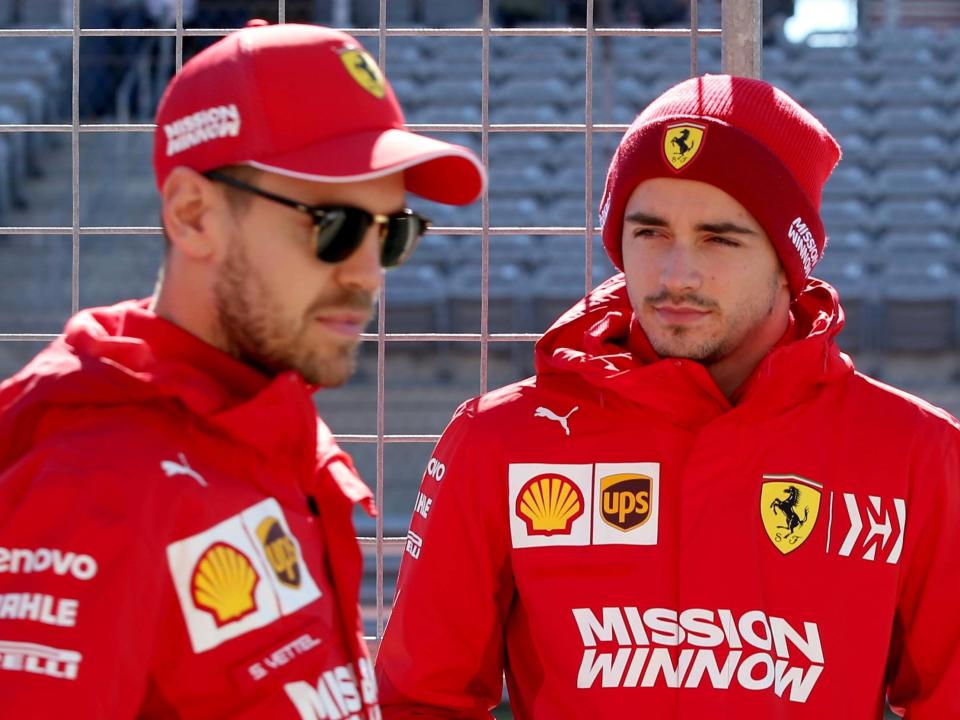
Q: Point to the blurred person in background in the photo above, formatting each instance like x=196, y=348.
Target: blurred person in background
x=105, y=62
x=176, y=535
x=697, y=508
x=163, y=13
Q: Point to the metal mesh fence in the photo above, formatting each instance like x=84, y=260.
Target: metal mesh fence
x=740, y=40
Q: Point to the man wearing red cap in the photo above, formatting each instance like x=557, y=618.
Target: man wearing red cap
x=697, y=508
x=175, y=521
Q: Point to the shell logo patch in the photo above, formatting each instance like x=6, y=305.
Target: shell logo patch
x=625, y=500
x=789, y=505
x=280, y=551
x=549, y=504
x=223, y=584
x=364, y=70
x=682, y=143
x=243, y=573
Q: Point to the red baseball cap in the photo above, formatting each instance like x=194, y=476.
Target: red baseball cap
x=303, y=101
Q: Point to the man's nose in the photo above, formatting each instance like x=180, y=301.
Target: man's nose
x=680, y=272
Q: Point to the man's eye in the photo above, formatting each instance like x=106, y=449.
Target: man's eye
x=723, y=241
x=646, y=232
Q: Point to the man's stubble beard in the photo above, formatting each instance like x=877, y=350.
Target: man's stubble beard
x=711, y=351
x=259, y=334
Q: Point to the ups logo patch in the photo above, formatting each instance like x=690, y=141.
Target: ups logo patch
x=280, y=551
x=625, y=500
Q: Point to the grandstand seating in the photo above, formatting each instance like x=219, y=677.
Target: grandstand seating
x=919, y=303
x=891, y=99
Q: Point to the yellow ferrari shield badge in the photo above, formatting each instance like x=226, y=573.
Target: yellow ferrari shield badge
x=682, y=142
x=364, y=70
x=789, y=506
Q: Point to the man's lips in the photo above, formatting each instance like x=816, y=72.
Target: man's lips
x=345, y=323
x=679, y=314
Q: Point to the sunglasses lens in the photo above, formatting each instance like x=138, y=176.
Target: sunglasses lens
x=401, y=239
x=340, y=232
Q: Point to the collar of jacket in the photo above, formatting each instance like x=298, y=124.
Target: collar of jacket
x=126, y=354
x=599, y=340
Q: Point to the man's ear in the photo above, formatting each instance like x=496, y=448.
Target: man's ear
x=193, y=210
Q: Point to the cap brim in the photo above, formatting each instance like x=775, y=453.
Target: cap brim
x=434, y=169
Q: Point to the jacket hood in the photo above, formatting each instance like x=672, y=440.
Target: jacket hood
x=127, y=355
x=599, y=340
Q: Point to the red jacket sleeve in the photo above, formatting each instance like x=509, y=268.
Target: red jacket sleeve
x=442, y=654
x=80, y=590
x=924, y=672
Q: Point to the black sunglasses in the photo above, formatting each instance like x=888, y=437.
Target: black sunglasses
x=338, y=230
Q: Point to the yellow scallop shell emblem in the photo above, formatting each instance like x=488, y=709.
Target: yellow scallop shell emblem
x=224, y=583
x=549, y=504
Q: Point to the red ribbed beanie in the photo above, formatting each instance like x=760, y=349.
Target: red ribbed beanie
x=744, y=136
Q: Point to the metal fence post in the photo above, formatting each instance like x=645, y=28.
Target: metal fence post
x=742, y=26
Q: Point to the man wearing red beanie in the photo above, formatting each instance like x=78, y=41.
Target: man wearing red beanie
x=697, y=508
x=176, y=535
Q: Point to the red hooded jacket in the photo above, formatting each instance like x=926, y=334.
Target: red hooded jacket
x=622, y=541
x=175, y=535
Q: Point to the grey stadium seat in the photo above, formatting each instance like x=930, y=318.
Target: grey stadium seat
x=849, y=182
x=508, y=296
x=919, y=310
x=414, y=300
x=851, y=213
x=556, y=288
x=925, y=215
x=920, y=150
x=514, y=211
x=921, y=183
x=519, y=150
x=825, y=92
x=435, y=251
x=545, y=99
x=910, y=122
x=915, y=92
x=522, y=181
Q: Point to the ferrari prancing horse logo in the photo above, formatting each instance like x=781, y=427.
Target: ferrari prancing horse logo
x=682, y=143
x=364, y=70
x=789, y=505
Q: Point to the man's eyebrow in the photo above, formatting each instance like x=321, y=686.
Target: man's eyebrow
x=642, y=218
x=725, y=228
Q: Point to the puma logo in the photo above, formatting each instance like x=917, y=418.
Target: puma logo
x=173, y=469
x=551, y=415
